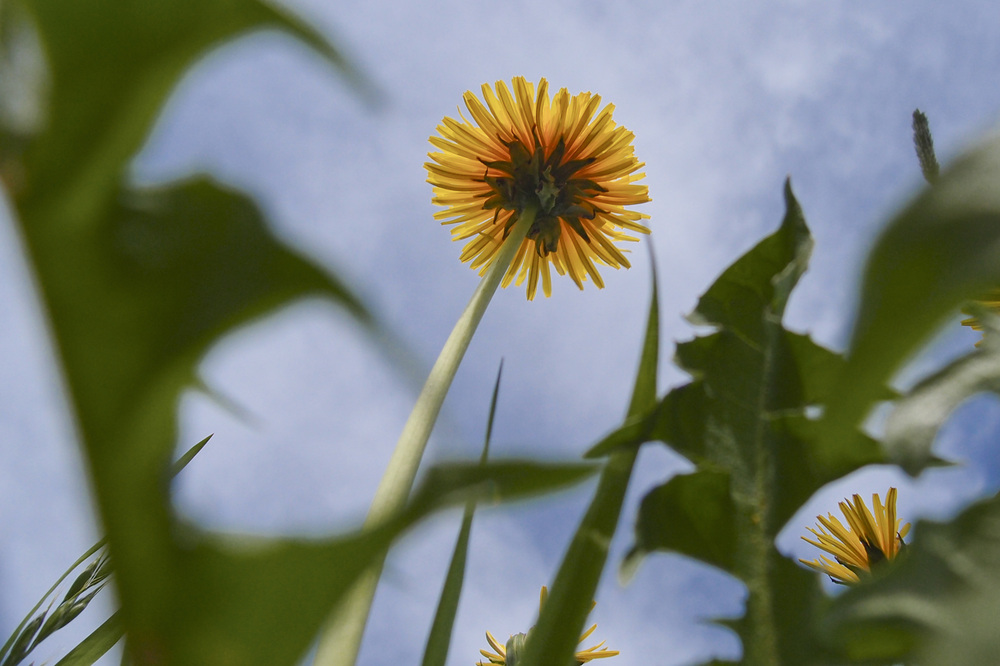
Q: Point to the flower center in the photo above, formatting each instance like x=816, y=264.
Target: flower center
x=875, y=554
x=875, y=557
x=545, y=184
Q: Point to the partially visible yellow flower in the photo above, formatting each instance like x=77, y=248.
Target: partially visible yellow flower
x=866, y=541
x=992, y=302
x=566, y=162
x=506, y=654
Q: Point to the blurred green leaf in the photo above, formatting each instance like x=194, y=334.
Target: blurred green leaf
x=916, y=418
x=139, y=283
x=936, y=606
x=112, y=64
x=247, y=600
x=135, y=300
x=940, y=251
x=742, y=421
x=560, y=624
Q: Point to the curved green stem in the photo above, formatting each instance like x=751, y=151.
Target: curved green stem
x=340, y=640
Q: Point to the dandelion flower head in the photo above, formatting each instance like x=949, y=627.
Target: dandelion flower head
x=869, y=538
x=563, y=159
x=507, y=654
x=992, y=303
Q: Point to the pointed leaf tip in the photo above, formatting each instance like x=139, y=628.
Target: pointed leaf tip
x=758, y=283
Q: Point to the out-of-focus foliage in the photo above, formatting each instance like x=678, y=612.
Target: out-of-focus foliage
x=916, y=417
x=939, y=605
x=942, y=250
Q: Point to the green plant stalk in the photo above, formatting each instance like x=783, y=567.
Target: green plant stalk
x=340, y=639
x=757, y=531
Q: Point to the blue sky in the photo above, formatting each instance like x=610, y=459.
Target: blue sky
x=725, y=99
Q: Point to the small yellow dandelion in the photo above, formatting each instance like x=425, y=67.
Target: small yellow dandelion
x=866, y=541
x=562, y=162
x=507, y=654
x=991, y=302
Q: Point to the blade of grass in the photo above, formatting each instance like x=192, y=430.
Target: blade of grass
x=439, y=640
x=94, y=646
x=188, y=456
x=560, y=623
x=27, y=618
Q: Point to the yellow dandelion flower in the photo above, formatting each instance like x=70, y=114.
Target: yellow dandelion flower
x=561, y=161
x=507, y=654
x=992, y=302
x=867, y=539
